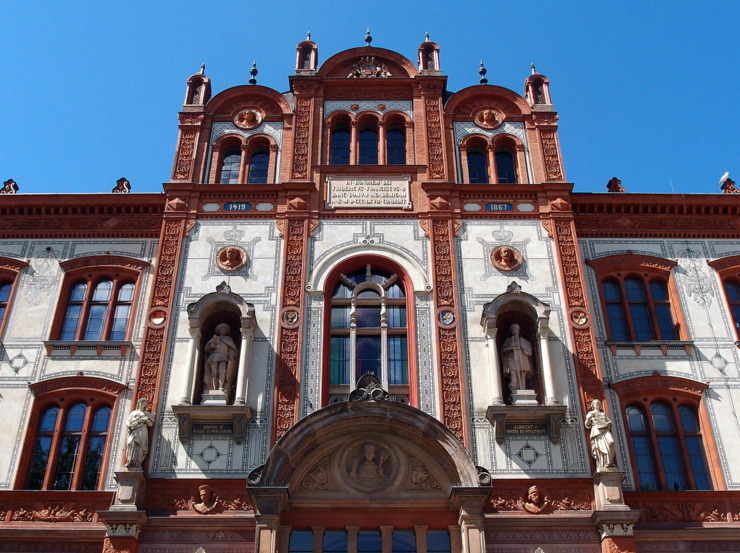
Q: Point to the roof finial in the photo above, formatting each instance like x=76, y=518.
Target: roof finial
x=426, y=37
x=203, y=68
x=308, y=35
x=534, y=71
x=482, y=72
x=253, y=72
x=368, y=38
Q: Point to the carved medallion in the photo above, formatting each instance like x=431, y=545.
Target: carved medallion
x=368, y=67
x=248, y=119
x=369, y=465
x=487, y=118
x=506, y=258
x=579, y=317
x=231, y=258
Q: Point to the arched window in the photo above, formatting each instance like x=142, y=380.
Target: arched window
x=672, y=437
x=369, y=145
x=259, y=164
x=732, y=291
x=69, y=446
x=505, y=168
x=368, y=331
x=340, y=141
x=98, y=310
x=230, y=166
x=5, y=288
x=477, y=166
x=396, y=145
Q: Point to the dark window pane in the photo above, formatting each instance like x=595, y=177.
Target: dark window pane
x=665, y=322
x=698, y=463
x=689, y=420
x=340, y=138
x=102, y=291
x=396, y=316
x=635, y=291
x=75, y=418
x=258, y=166
x=342, y=291
x=641, y=321
x=369, y=294
x=368, y=356
x=120, y=322
x=403, y=542
x=66, y=462
x=505, y=167
x=636, y=419
x=662, y=418
x=369, y=146
x=78, y=292
x=369, y=542
x=5, y=291
x=49, y=419
x=339, y=362
x=368, y=316
x=95, y=320
x=230, y=166
x=340, y=316
x=658, y=290
x=645, y=465
x=438, y=541
x=617, y=321
x=670, y=457
x=396, y=146
x=395, y=292
x=732, y=289
x=335, y=542
x=477, y=169
x=93, y=459
x=398, y=364
x=101, y=419
x=126, y=293
x=301, y=542
x=612, y=293
x=39, y=461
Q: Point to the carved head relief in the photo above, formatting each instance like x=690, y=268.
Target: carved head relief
x=248, y=119
x=231, y=258
x=488, y=118
x=506, y=258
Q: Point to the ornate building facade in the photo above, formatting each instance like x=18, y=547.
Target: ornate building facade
x=369, y=315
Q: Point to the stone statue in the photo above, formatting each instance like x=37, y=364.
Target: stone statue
x=602, y=441
x=517, y=357
x=371, y=467
x=137, y=442
x=221, y=361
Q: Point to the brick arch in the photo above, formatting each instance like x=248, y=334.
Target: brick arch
x=468, y=100
x=340, y=64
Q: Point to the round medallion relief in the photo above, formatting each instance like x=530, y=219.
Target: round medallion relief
x=369, y=464
x=506, y=258
x=231, y=258
x=488, y=118
x=248, y=119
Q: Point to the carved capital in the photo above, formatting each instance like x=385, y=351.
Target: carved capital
x=122, y=529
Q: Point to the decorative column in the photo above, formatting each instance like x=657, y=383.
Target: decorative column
x=497, y=397
x=470, y=504
x=125, y=518
x=193, y=357
x=245, y=354
x=542, y=335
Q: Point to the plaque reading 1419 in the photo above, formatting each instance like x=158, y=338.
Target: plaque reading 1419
x=368, y=192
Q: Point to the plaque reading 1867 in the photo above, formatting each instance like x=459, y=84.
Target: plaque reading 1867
x=364, y=192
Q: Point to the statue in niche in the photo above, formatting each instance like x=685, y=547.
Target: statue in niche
x=221, y=362
x=371, y=466
x=137, y=441
x=517, y=359
x=602, y=441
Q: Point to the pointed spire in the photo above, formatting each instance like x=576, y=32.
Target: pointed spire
x=482, y=72
x=534, y=71
x=308, y=35
x=203, y=68
x=253, y=72
x=426, y=37
x=368, y=38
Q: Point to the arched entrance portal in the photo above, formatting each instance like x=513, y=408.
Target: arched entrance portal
x=369, y=475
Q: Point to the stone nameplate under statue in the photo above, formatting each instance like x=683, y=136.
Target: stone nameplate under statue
x=526, y=428
x=368, y=192
x=212, y=429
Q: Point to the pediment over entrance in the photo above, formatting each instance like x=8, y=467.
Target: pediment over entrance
x=368, y=449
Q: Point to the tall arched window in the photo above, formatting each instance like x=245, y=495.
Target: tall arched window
x=667, y=447
x=732, y=291
x=368, y=332
x=340, y=141
x=69, y=446
x=369, y=145
x=5, y=288
x=259, y=164
x=396, y=145
x=477, y=166
x=230, y=166
x=505, y=167
x=98, y=310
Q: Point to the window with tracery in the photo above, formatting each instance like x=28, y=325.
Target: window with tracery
x=368, y=331
x=667, y=446
x=69, y=446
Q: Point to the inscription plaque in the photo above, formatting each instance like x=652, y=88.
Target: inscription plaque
x=368, y=192
x=526, y=428
x=212, y=429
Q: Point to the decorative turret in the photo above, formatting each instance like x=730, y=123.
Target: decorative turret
x=306, y=57
x=429, y=57
x=537, y=89
x=198, y=90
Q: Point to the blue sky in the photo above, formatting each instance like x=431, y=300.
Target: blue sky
x=646, y=91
